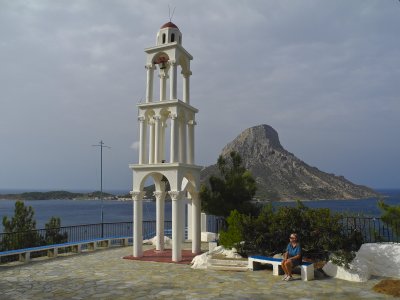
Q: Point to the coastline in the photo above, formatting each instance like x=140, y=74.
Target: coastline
x=339, y=199
x=94, y=196
x=111, y=199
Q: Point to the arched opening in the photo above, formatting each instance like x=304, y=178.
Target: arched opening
x=165, y=135
x=163, y=38
x=172, y=37
x=161, y=59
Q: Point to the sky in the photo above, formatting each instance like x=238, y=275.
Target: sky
x=324, y=74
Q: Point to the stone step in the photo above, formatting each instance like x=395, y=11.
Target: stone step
x=228, y=262
x=227, y=268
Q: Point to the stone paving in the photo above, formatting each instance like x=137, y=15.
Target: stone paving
x=103, y=274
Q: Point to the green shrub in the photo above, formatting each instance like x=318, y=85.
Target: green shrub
x=233, y=236
x=391, y=216
x=321, y=232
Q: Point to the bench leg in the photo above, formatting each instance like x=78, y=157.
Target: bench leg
x=77, y=248
x=125, y=242
x=92, y=246
x=25, y=257
x=52, y=252
x=277, y=270
x=307, y=272
x=250, y=265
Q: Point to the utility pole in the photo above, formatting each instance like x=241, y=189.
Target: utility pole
x=101, y=145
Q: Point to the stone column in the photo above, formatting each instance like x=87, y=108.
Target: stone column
x=182, y=217
x=203, y=222
x=190, y=158
x=163, y=87
x=176, y=224
x=142, y=140
x=172, y=80
x=160, y=197
x=186, y=87
x=162, y=142
x=137, y=223
x=151, y=142
x=173, y=146
x=189, y=218
x=149, y=83
x=182, y=141
x=157, y=139
x=196, y=223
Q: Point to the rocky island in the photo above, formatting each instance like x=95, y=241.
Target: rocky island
x=280, y=175
x=55, y=195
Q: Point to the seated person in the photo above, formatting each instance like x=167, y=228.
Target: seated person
x=292, y=257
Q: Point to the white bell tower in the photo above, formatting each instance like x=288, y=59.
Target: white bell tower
x=167, y=144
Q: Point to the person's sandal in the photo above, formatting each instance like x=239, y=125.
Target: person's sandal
x=285, y=277
x=289, y=278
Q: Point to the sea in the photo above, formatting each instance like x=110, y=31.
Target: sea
x=79, y=212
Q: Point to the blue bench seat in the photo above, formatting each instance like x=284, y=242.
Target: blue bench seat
x=307, y=268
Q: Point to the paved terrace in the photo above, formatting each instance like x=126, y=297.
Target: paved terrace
x=103, y=274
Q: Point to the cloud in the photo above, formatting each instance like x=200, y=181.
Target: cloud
x=324, y=74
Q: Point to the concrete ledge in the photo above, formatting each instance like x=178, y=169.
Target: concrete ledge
x=208, y=236
x=52, y=250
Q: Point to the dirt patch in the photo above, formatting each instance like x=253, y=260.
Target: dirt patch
x=388, y=287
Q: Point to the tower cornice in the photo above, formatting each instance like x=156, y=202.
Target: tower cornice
x=167, y=103
x=165, y=47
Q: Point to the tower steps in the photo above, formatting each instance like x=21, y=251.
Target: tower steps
x=239, y=265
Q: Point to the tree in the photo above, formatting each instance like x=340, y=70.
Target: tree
x=234, y=189
x=391, y=216
x=20, y=231
x=53, y=232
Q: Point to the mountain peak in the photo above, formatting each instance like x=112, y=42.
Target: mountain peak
x=261, y=135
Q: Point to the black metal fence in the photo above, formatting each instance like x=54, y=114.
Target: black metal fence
x=78, y=233
x=215, y=224
x=372, y=230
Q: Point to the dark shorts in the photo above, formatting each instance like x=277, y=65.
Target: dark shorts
x=296, y=262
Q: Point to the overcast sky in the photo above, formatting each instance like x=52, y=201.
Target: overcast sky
x=324, y=74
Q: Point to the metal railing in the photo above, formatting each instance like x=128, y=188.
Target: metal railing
x=371, y=229
x=78, y=233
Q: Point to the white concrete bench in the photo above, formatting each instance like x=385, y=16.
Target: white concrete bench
x=307, y=268
x=52, y=250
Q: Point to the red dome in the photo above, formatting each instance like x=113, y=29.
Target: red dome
x=169, y=25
